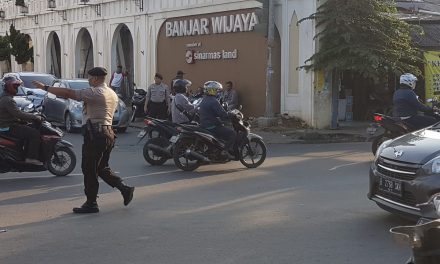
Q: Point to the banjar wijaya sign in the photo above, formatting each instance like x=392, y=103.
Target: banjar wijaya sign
x=223, y=24
x=214, y=25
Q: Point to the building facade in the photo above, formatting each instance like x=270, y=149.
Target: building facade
x=207, y=39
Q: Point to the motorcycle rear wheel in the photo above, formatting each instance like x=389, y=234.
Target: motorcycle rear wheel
x=150, y=156
x=181, y=160
x=62, y=162
x=253, y=153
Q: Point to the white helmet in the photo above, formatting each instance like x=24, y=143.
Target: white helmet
x=408, y=79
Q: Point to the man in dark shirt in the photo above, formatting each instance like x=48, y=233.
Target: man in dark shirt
x=406, y=104
x=210, y=111
x=10, y=117
x=230, y=96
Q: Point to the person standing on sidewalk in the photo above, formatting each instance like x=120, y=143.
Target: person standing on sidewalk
x=157, y=101
x=116, y=80
x=100, y=103
x=230, y=96
x=179, y=76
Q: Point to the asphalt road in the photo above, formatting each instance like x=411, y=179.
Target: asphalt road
x=305, y=204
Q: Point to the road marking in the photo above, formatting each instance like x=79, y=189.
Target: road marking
x=345, y=165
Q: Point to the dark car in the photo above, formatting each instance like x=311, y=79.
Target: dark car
x=68, y=112
x=406, y=172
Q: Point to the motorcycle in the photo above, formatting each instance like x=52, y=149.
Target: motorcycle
x=194, y=148
x=56, y=154
x=393, y=127
x=424, y=237
x=137, y=104
x=161, y=136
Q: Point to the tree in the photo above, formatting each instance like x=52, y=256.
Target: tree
x=364, y=37
x=20, y=46
x=5, y=50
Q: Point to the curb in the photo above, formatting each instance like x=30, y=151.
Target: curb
x=300, y=137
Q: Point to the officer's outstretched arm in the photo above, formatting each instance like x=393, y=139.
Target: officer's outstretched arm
x=60, y=92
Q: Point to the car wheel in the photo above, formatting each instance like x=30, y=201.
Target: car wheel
x=68, y=123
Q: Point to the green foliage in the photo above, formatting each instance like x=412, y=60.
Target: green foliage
x=20, y=46
x=363, y=36
x=5, y=48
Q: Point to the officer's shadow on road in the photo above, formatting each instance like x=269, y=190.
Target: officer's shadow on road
x=14, y=191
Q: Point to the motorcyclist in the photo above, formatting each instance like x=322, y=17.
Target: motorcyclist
x=11, y=116
x=211, y=112
x=180, y=106
x=406, y=104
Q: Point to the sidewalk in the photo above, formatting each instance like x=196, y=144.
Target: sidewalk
x=347, y=132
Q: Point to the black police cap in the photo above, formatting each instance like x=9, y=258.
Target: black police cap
x=97, y=71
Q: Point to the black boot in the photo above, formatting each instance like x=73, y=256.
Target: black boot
x=127, y=192
x=87, y=208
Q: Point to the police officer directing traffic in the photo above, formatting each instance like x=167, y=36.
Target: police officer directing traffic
x=100, y=103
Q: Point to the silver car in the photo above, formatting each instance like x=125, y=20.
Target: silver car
x=68, y=112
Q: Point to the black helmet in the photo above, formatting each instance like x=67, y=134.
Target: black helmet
x=180, y=85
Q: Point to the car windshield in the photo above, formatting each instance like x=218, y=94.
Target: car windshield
x=78, y=85
x=27, y=80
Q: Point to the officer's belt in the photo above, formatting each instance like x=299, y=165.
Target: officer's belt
x=96, y=127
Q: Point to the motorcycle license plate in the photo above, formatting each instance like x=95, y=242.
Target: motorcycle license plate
x=142, y=133
x=174, y=139
x=391, y=186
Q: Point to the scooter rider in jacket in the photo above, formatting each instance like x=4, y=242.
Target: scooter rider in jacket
x=10, y=117
x=180, y=106
x=406, y=104
x=210, y=112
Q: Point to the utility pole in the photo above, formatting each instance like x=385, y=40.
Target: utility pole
x=269, y=68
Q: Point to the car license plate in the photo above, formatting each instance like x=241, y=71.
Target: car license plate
x=142, y=133
x=390, y=186
x=174, y=139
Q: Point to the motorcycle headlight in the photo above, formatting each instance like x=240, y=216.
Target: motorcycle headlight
x=432, y=166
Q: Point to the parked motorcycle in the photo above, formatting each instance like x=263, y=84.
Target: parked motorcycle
x=194, y=148
x=424, y=237
x=56, y=154
x=137, y=104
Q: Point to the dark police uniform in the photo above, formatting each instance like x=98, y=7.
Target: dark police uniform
x=100, y=103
